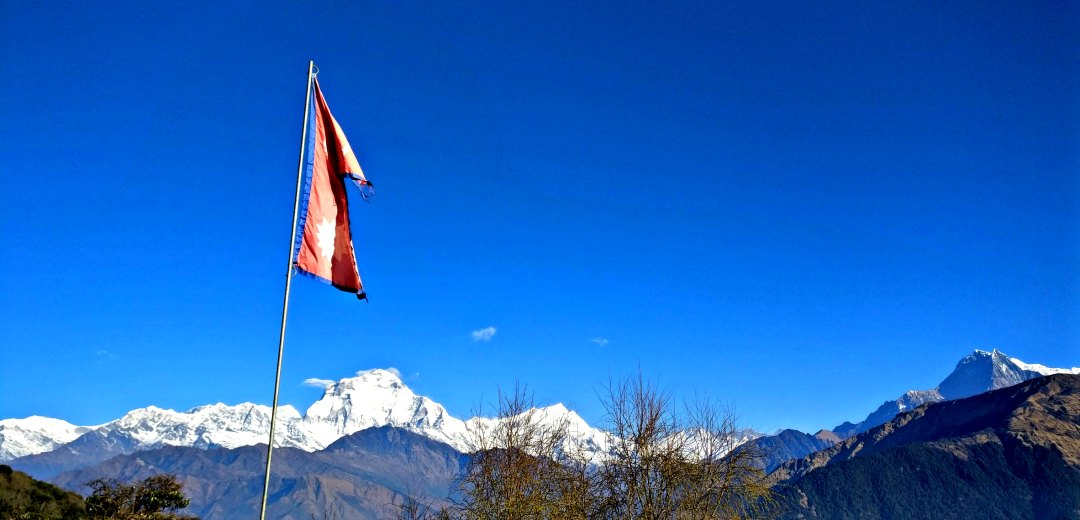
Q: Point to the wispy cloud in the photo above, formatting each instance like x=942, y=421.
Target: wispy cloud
x=483, y=334
x=102, y=356
x=394, y=371
x=318, y=383
x=599, y=341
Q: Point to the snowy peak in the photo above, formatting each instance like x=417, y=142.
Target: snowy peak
x=206, y=426
x=983, y=371
x=367, y=380
x=35, y=434
x=558, y=412
x=372, y=398
x=581, y=439
x=372, y=393
x=377, y=398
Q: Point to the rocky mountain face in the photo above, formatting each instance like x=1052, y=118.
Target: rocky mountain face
x=976, y=373
x=366, y=475
x=1009, y=453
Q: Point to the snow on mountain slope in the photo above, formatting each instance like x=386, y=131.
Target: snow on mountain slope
x=378, y=398
x=372, y=398
x=581, y=438
x=983, y=371
x=582, y=441
x=35, y=434
x=1044, y=370
x=215, y=425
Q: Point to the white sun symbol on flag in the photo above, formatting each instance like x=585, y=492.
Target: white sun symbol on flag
x=325, y=234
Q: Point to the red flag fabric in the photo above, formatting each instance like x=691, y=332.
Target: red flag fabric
x=325, y=250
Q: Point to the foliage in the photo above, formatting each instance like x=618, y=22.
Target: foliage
x=519, y=470
x=665, y=465
x=158, y=497
x=24, y=498
x=659, y=464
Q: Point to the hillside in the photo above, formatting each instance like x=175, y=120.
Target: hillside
x=1009, y=453
x=23, y=497
x=365, y=475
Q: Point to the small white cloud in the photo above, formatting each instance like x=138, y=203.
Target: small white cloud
x=318, y=383
x=394, y=371
x=600, y=341
x=103, y=356
x=483, y=334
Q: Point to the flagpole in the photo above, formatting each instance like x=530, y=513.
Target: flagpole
x=288, y=285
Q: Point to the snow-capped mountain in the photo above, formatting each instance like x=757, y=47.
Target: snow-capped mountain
x=35, y=434
x=215, y=425
x=984, y=371
x=1044, y=370
x=979, y=372
x=372, y=398
x=148, y=428
x=582, y=441
x=377, y=398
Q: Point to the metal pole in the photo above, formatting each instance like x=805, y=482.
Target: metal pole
x=288, y=285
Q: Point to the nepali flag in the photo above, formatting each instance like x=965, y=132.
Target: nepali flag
x=324, y=250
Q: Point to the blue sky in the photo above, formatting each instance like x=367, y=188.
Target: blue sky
x=801, y=210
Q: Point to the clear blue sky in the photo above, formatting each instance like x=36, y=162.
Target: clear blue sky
x=803, y=210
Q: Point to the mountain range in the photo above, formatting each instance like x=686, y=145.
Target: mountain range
x=369, y=474
x=44, y=447
x=976, y=373
x=1011, y=453
x=329, y=454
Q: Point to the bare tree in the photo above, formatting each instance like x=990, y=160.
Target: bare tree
x=519, y=469
x=640, y=477
x=666, y=465
x=417, y=508
x=660, y=462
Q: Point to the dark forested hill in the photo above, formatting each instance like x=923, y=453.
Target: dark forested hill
x=21, y=496
x=1010, y=453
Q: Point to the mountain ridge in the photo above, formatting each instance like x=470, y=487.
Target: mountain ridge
x=978, y=372
x=1012, y=452
x=378, y=397
x=367, y=474
x=371, y=399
